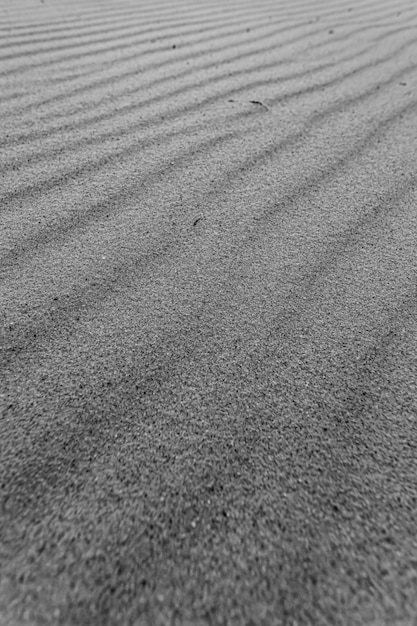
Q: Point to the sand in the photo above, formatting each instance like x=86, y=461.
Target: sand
x=208, y=237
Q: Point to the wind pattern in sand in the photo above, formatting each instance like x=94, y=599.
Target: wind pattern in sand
x=208, y=236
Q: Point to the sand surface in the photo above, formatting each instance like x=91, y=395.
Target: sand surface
x=208, y=262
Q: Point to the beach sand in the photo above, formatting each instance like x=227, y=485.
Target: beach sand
x=208, y=255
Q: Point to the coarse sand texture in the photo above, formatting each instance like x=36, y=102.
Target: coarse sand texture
x=208, y=326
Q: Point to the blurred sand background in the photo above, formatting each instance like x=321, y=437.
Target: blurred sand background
x=208, y=236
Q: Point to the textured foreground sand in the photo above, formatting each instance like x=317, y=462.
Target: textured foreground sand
x=208, y=331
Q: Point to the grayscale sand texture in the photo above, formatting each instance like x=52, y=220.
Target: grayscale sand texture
x=208, y=281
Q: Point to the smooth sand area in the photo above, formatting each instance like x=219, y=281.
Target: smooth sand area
x=208, y=351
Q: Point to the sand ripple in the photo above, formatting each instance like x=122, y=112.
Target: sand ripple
x=208, y=238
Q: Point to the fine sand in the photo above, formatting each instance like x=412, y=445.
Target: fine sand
x=208, y=263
